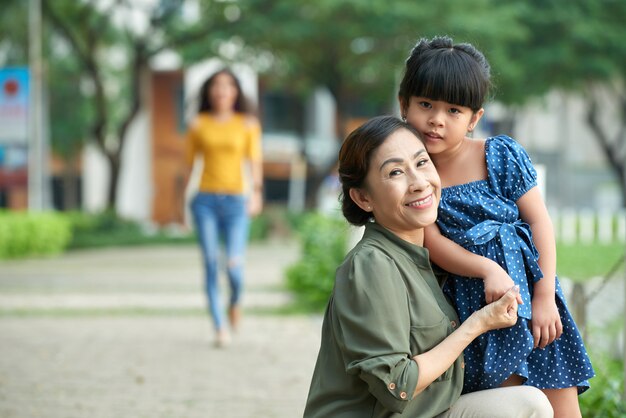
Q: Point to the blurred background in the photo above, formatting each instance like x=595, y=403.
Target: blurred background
x=96, y=94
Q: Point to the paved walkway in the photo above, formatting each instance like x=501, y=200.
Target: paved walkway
x=124, y=333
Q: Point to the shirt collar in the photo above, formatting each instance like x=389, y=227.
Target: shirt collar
x=417, y=253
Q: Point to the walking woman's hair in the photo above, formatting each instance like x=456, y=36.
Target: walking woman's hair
x=204, y=100
x=355, y=157
x=438, y=69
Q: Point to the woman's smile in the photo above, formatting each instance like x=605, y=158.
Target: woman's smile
x=423, y=203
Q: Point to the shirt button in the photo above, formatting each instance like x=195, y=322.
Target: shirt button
x=403, y=395
x=453, y=323
x=462, y=364
x=392, y=386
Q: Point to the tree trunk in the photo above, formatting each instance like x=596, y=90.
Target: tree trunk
x=613, y=149
x=114, y=164
x=579, y=308
x=70, y=185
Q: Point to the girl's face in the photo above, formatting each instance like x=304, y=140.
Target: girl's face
x=223, y=92
x=402, y=187
x=443, y=125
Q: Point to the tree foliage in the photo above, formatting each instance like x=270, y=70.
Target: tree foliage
x=96, y=54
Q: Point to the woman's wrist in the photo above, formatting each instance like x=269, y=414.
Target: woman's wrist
x=475, y=324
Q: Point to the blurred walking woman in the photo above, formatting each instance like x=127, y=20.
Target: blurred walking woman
x=229, y=142
x=391, y=343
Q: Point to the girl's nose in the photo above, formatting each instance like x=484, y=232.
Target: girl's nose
x=435, y=119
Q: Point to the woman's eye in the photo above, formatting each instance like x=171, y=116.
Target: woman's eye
x=395, y=172
x=422, y=162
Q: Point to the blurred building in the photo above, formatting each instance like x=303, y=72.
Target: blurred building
x=555, y=132
x=300, y=142
x=298, y=139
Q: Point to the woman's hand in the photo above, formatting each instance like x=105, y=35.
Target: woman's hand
x=502, y=313
x=546, y=322
x=255, y=203
x=496, y=281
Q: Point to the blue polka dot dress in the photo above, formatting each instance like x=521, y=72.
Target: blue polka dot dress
x=482, y=217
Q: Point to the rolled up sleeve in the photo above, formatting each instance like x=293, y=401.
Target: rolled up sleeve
x=372, y=322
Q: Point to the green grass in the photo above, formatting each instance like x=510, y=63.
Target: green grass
x=580, y=261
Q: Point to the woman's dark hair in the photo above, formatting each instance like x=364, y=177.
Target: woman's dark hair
x=205, y=103
x=441, y=70
x=355, y=157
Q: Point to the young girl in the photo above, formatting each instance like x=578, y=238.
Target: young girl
x=493, y=228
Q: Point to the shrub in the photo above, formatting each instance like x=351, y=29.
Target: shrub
x=103, y=229
x=24, y=234
x=323, y=249
x=604, y=397
x=259, y=227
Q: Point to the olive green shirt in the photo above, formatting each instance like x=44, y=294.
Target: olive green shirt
x=386, y=307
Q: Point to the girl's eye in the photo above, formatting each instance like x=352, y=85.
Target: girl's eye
x=455, y=111
x=425, y=105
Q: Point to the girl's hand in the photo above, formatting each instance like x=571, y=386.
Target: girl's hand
x=502, y=313
x=546, y=323
x=497, y=282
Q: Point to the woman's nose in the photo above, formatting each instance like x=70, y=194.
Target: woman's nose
x=418, y=181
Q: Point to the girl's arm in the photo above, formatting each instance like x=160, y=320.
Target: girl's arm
x=499, y=314
x=546, y=323
x=455, y=259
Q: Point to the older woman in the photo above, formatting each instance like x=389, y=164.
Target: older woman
x=391, y=343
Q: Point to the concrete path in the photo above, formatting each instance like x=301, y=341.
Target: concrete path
x=124, y=332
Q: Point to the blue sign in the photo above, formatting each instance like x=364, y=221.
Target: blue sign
x=14, y=100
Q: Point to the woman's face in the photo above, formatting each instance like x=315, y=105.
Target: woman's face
x=223, y=92
x=402, y=188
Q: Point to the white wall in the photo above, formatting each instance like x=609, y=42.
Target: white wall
x=134, y=193
x=135, y=189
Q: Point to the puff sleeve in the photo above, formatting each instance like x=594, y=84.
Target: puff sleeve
x=510, y=170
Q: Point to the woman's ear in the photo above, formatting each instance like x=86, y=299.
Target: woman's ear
x=361, y=198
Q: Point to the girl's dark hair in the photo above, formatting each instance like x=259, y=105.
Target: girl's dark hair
x=355, y=157
x=241, y=104
x=440, y=70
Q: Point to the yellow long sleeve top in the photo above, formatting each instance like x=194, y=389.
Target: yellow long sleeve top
x=224, y=146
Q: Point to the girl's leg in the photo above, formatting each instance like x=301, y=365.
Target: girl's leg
x=513, y=380
x=236, y=225
x=205, y=217
x=564, y=402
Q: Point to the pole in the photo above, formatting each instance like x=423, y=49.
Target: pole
x=35, y=146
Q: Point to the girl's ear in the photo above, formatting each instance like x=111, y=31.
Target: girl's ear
x=402, y=107
x=361, y=198
x=475, y=118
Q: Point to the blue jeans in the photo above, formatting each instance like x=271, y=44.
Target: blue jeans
x=221, y=218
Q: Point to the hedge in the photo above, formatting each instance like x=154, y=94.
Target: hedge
x=25, y=234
